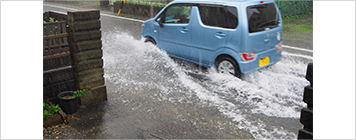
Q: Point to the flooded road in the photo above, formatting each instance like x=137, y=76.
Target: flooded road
x=151, y=95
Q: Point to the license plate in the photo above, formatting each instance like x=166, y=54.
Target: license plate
x=264, y=61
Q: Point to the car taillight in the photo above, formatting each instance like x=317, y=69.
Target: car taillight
x=278, y=46
x=261, y=1
x=248, y=56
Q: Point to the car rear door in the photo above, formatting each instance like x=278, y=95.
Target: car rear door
x=263, y=27
x=212, y=26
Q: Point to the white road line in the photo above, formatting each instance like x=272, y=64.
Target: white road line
x=124, y=18
x=296, y=48
x=297, y=55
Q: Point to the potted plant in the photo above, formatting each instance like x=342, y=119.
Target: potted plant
x=68, y=100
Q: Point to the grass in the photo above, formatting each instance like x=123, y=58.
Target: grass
x=294, y=28
x=303, y=36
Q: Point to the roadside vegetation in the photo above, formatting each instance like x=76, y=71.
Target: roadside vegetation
x=156, y=3
x=298, y=28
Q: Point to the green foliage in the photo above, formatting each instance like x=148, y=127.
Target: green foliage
x=305, y=28
x=46, y=114
x=50, y=20
x=296, y=7
x=55, y=26
x=145, y=2
x=80, y=93
x=49, y=110
x=296, y=17
x=77, y=93
x=294, y=27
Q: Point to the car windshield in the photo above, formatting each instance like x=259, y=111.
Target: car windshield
x=262, y=17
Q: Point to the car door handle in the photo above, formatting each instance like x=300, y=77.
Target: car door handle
x=184, y=30
x=267, y=41
x=220, y=35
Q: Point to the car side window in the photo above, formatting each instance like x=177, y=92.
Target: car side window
x=219, y=16
x=176, y=14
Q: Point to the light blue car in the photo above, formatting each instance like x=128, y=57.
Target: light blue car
x=235, y=36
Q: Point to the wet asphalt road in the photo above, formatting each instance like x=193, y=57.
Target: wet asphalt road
x=163, y=106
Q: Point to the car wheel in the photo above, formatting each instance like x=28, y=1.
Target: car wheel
x=150, y=40
x=228, y=65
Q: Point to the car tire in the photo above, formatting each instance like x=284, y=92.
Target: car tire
x=150, y=40
x=227, y=65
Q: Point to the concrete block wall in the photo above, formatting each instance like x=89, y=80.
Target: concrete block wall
x=306, y=116
x=85, y=41
x=104, y=2
x=136, y=9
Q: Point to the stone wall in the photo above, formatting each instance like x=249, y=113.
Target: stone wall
x=104, y=2
x=137, y=10
x=85, y=41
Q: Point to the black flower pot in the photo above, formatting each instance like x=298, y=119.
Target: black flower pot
x=68, y=105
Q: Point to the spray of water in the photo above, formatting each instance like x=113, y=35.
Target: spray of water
x=273, y=92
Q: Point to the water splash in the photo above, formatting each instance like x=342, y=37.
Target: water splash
x=273, y=92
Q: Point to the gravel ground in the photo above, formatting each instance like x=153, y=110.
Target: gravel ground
x=64, y=130
x=61, y=131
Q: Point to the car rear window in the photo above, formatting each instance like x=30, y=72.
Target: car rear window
x=219, y=16
x=262, y=17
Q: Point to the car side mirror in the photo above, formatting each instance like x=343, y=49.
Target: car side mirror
x=160, y=23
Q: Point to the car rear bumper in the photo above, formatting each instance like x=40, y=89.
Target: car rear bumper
x=253, y=65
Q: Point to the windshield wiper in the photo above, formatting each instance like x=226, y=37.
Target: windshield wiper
x=271, y=22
